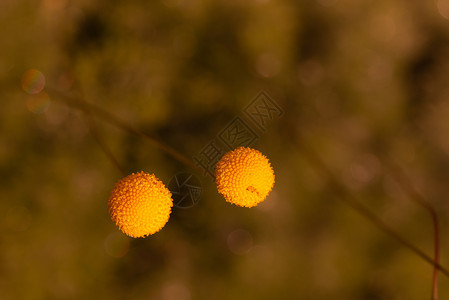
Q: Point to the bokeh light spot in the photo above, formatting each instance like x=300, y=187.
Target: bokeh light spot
x=240, y=241
x=116, y=244
x=54, y=5
x=443, y=8
x=268, y=65
x=365, y=168
x=33, y=81
x=38, y=103
x=310, y=73
x=175, y=291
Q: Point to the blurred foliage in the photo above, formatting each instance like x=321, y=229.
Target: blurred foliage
x=362, y=81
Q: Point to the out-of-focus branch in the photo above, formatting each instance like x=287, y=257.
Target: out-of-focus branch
x=351, y=200
x=114, y=120
x=94, y=130
x=416, y=197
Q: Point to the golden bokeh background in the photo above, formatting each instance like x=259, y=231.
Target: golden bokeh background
x=361, y=83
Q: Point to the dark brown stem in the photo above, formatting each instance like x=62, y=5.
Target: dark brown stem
x=405, y=184
x=105, y=148
x=111, y=119
x=107, y=151
x=351, y=200
x=346, y=196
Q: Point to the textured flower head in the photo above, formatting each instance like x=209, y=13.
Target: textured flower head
x=244, y=177
x=140, y=204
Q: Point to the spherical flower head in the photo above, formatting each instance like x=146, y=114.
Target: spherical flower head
x=244, y=177
x=140, y=204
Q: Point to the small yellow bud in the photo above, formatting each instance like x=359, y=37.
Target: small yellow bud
x=244, y=177
x=140, y=204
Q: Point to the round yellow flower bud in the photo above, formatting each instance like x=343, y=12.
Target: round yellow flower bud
x=244, y=177
x=140, y=204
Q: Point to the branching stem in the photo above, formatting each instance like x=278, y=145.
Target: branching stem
x=345, y=195
x=405, y=184
x=352, y=201
x=114, y=120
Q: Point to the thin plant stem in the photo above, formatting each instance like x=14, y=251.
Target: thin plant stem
x=415, y=196
x=107, y=151
x=346, y=196
x=82, y=105
x=104, y=147
x=352, y=201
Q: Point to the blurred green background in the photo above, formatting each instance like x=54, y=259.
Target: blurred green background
x=361, y=81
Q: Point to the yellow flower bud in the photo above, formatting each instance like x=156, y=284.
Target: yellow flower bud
x=244, y=177
x=140, y=204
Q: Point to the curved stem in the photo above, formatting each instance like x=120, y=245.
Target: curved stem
x=347, y=197
x=352, y=201
x=110, y=118
x=105, y=148
x=418, y=199
x=107, y=151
